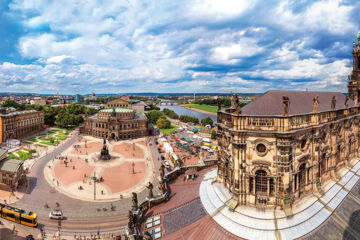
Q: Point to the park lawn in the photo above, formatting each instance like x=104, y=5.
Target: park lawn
x=24, y=155
x=32, y=139
x=170, y=130
x=12, y=156
x=41, y=145
x=50, y=137
x=61, y=137
x=29, y=150
x=50, y=143
x=206, y=108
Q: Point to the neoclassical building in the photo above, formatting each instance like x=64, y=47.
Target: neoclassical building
x=117, y=121
x=20, y=124
x=285, y=144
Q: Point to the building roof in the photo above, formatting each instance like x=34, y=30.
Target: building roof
x=3, y=153
x=18, y=113
x=270, y=103
x=10, y=165
x=117, y=110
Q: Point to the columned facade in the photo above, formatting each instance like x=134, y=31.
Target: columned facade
x=279, y=162
x=20, y=124
x=116, y=123
x=286, y=144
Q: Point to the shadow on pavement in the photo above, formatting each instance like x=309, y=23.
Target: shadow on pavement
x=353, y=226
x=7, y=234
x=32, y=184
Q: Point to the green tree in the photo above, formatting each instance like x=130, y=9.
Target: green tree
x=50, y=114
x=154, y=115
x=207, y=121
x=90, y=111
x=170, y=113
x=154, y=107
x=10, y=103
x=163, y=123
x=213, y=134
x=67, y=120
x=186, y=118
x=34, y=107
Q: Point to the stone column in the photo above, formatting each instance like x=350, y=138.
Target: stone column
x=268, y=186
x=293, y=184
x=253, y=185
x=298, y=181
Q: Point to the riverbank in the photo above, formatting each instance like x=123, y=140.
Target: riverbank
x=198, y=110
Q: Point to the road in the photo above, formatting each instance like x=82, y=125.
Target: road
x=81, y=216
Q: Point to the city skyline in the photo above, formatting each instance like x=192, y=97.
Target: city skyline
x=192, y=46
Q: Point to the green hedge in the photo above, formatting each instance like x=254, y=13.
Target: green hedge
x=32, y=139
x=24, y=155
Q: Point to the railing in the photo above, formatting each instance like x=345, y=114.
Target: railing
x=282, y=123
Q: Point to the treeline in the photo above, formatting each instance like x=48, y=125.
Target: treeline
x=224, y=102
x=186, y=118
x=65, y=117
x=170, y=113
x=158, y=118
x=99, y=100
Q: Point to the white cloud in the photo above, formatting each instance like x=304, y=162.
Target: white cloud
x=328, y=15
x=215, y=10
x=230, y=54
x=141, y=45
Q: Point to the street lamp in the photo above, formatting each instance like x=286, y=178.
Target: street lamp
x=94, y=178
x=133, y=167
x=59, y=228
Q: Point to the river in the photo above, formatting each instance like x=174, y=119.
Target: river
x=184, y=111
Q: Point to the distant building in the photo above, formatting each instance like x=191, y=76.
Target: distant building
x=125, y=97
x=140, y=106
x=77, y=98
x=20, y=124
x=41, y=102
x=117, y=121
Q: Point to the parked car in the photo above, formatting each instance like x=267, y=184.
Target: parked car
x=56, y=214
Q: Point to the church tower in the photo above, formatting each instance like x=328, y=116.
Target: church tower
x=354, y=78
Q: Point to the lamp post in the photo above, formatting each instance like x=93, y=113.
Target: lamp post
x=94, y=178
x=133, y=167
x=59, y=228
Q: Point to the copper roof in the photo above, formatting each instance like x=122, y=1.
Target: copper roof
x=270, y=103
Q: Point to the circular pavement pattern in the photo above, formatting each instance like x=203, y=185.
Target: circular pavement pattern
x=127, y=171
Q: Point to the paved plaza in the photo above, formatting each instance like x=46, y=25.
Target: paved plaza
x=87, y=216
x=73, y=172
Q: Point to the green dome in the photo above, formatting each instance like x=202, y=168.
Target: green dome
x=358, y=35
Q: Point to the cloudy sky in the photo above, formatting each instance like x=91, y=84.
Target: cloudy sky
x=116, y=46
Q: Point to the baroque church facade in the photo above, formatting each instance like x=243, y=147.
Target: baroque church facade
x=286, y=144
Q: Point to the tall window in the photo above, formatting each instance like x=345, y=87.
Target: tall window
x=302, y=175
x=323, y=163
x=250, y=184
x=261, y=181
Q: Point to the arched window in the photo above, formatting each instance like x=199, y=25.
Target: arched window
x=302, y=175
x=261, y=182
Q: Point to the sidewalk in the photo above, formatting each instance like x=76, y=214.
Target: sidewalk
x=41, y=152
